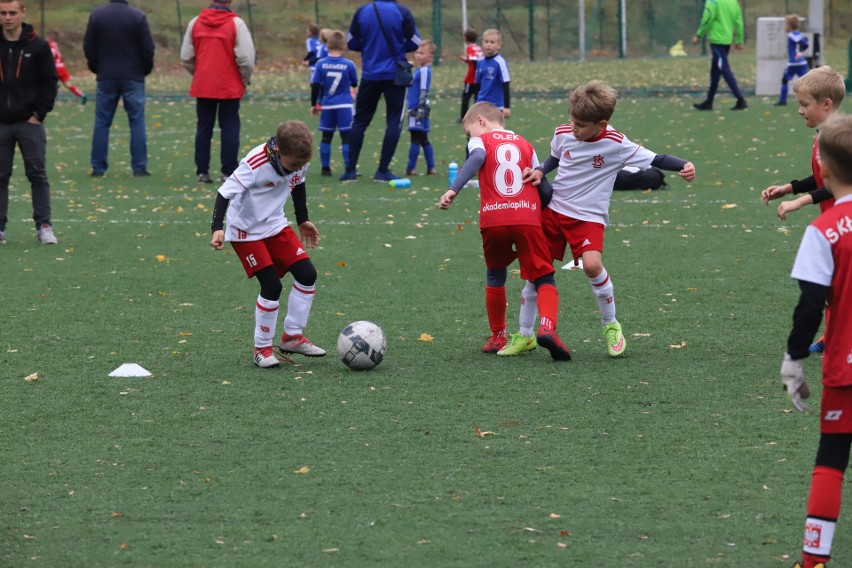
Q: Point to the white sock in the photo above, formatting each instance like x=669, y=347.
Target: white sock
x=298, y=308
x=818, y=536
x=526, y=319
x=603, y=291
x=265, y=318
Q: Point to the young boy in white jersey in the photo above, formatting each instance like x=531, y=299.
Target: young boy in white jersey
x=263, y=240
x=588, y=153
x=823, y=268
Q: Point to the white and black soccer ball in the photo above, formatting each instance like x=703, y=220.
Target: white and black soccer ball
x=361, y=345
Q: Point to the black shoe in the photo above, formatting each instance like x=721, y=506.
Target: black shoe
x=95, y=174
x=326, y=172
x=741, y=105
x=706, y=105
x=779, y=104
x=205, y=178
x=141, y=173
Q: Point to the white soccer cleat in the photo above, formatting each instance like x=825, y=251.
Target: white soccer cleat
x=300, y=345
x=45, y=235
x=264, y=358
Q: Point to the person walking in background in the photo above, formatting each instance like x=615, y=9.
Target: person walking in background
x=472, y=54
x=119, y=49
x=61, y=70
x=27, y=94
x=219, y=52
x=383, y=32
x=797, y=65
x=721, y=22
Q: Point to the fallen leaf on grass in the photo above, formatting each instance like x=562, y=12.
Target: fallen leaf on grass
x=124, y=546
x=680, y=345
x=331, y=550
x=161, y=258
x=301, y=470
x=341, y=264
x=117, y=515
x=561, y=545
x=555, y=516
x=31, y=378
x=481, y=434
x=641, y=335
x=729, y=206
x=425, y=337
x=564, y=533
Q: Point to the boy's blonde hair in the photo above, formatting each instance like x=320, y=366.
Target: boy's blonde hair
x=323, y=37
x=822, y=83
x=428, y=44
x=593, y=102
x=488, y=111
x=470, y=35
x=336, y=40
x=835, y=147
x=792, y=21
x=295, y=140
x=494, y=32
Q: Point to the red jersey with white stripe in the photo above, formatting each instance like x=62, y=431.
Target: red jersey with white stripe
x=472, y=53
x=584, y=179
x=815, y=166
x=825, y=258
x=504, y=198
x=258, y=195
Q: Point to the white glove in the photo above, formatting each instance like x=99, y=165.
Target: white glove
x=794, y=382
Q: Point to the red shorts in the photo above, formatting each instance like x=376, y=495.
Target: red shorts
x=281, y=251
x=527, y=243
x=835, y=411
x=562, y=231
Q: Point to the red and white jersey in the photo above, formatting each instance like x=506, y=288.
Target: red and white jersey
x=472, y=53
x=584, y=179
x=57, y=56
x=817, y=169
x=825, y=258
x=257, y=195
x=504, y=198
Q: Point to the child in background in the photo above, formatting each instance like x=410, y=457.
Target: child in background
x=492, y=73
x=419, y=108
x=311, y=48
x=589, y=153
x=331, y=98
x=510, y=223
x=263, y=240
x=472, y=54
x=823, y=269
x=61, y=70
x=797, y=65
x=322, y=47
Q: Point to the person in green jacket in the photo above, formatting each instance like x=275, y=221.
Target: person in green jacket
x=721, y=21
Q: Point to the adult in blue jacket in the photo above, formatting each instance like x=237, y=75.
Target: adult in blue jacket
x=119, y=49
x=378, y=68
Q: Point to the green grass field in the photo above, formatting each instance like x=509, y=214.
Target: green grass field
x=684, y=453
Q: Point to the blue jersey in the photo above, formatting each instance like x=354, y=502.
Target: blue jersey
x=378, y=61
x=335, y=76
x=491, y=74
x=422, y=83
x=322, y=51
x=796, y=43
x=311, y=45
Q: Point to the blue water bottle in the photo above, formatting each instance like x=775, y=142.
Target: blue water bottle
x=452, y=172
x=400, y=182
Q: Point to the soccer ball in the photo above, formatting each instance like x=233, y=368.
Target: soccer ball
x=361, y=345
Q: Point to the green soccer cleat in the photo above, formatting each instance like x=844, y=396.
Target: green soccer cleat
x=615, y=343
x=518, y=344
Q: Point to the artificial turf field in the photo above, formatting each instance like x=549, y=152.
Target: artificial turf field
x=683, y=453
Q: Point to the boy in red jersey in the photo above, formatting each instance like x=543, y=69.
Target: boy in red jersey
x=823, y=268
x=589, y=153
x=472, y=54
x=819, y=94
x=61, y=70
x=262, y=238
x=510, y=223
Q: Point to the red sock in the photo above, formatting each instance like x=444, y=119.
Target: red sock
x=823, y=510
x=548, y=304
x=495, y=306
x=75, y=89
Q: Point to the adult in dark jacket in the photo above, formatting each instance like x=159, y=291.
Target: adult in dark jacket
x=219, y=52
x=119, y=49
x=28, y=85
x=378, y=67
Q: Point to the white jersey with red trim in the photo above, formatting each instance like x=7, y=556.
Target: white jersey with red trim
x=257, y=195
x=825, y=258
x=584, y=179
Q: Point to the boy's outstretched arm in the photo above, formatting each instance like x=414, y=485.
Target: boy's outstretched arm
x=217, y=225
x=793, y=205
x=469, y=168
x=796, y=186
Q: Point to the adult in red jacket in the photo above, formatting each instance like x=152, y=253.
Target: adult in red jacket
x=218, y=50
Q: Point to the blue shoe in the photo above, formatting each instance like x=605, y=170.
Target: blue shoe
x=819, y=346
x=385, y=177
x=350, y=176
